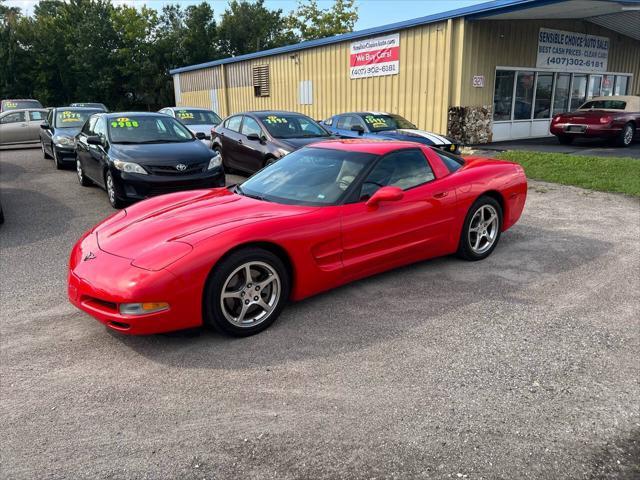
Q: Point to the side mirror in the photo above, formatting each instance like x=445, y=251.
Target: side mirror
x=44, y=125
x=94, y=140
x=385, y=194
x=201, y=135
x=254, y=137
x=357, y=128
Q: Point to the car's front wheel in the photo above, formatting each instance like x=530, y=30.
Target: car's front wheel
x=112, y=194
x=626, y=135
x=246, y=292
x=56, y=160
x=481, y=230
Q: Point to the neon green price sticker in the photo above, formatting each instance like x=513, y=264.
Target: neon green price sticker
x=11, y=104
x=271, y=119
x=70, y=117
x=184, y=115
x=124, y=122
x=376, y=121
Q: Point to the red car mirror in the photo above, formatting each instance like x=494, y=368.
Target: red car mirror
x=385, y=194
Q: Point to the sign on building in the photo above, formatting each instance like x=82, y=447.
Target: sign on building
x=571, y=51
x=375, y=57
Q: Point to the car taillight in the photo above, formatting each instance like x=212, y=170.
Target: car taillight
x=605, y=119
x=556, y=119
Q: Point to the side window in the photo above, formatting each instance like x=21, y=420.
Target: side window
x=14, y=117
x=452, y=162
x=234, y=123
x=50, y=117
x=89, y=126
x=343, y=123
x=355, y=120
x=100, y=128
x=329, y=121
x=404, y=169
x=249, y=125
x=35, y=115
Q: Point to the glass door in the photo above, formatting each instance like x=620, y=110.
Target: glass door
x=578, y=91
x=561, y=95
x=595, y=86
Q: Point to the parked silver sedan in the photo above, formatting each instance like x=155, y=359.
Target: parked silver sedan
x=21, y=126
x=198, y=120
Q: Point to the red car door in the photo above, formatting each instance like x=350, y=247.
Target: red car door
x=416, y=227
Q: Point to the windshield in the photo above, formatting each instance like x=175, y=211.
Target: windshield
x=147, y=129
x=309, y=176
x=198, y=117
x=605, y=104
x=382, y=122
x=288, y=125
x=19, y=104
x=72, y=118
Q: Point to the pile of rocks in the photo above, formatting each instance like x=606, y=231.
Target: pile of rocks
x=470, y=125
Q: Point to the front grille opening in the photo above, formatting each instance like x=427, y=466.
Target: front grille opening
x=101, y=304
x=119, y=325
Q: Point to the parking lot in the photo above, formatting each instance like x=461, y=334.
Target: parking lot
x=524, y=365
x=583, y=146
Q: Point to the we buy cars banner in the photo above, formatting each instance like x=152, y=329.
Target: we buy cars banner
x=375, y=57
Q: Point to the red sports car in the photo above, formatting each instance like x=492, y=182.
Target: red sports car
x=614, y=118
x=320, y=217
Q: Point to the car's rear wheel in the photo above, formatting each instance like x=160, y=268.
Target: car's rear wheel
x=226, y=167
x=565, y=139
x=82, y=179
x=45, y=155
x=626, y=135
x=112, y=195
x=246, y=292
x=481, y=230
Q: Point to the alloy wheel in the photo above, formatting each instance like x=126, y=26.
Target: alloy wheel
x=250, y=294
x=483, y=229
x=628, y=135
x=111, y=191
x=79, y=171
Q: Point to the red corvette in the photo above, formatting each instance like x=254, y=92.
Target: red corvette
x=320, y=217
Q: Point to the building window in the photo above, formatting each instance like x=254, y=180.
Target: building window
x=561, y=98
x=544, y=88
x=524, y=96
x=578, y=91
x=621, y=85
x=503, y=95
x=595, y=86
x=261, y=80
x=607, y=85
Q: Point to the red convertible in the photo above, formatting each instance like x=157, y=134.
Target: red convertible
x=613, y=118
x=318, y=218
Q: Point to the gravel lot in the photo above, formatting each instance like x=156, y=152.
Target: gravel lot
x=525, y=365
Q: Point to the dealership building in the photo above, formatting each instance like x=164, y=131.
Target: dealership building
x=511, y=65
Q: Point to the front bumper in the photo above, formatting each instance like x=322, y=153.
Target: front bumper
x=584, y=130
x=100, y=284
x=133, y=186
x=65, y=154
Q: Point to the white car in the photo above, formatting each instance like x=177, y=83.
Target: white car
x=198, y=120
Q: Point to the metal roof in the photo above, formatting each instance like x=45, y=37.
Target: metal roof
x=599, y=12
x=496, y=5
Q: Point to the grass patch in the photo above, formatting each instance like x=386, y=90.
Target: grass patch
x=619, y=175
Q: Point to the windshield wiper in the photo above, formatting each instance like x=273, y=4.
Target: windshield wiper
x=238, y=190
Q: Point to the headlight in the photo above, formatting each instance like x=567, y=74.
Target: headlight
x=64, y=141
x=143, y=308
x=283, y=152
x=215, y=161
x=129, y=167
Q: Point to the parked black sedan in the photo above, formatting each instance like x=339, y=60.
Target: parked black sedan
x=58, y=131
x=137, y=155
x=251, y=140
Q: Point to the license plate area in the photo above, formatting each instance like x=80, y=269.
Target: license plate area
x=575, y=128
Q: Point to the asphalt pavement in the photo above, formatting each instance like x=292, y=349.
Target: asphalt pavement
x=522, y=366
x=583, y=146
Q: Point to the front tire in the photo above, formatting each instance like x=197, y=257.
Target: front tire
x=56, y=160
x=112, y=194
x=481, y=230
x=626, y=135
x=246, y=292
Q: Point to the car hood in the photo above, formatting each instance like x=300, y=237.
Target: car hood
x=162, y=153
x=67, y=131
x=186, y=218
x=414, y=135
x=297, y=143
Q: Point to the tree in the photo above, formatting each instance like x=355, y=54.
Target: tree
x=312, y=22
x=249, y=27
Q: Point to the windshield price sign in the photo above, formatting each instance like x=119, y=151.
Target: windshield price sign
x=571, y=51
x=375, y=57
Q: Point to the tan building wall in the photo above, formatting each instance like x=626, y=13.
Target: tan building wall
x=513, y=43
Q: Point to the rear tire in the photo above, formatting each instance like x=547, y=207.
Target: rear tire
x=481, y=229
x=252, y=302
x=626, y=135
x=112, y=194
x=227, y=168
x=565, y=139
x=82, y=178
x=45, y=155
x=57, y=161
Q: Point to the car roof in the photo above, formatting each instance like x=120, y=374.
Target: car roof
x=30, y=109
x=633, y=101
x=377, y=147
x=190, y=108
x=137, y=114
x=271, y=112
x=79, y=109
x=361, y=113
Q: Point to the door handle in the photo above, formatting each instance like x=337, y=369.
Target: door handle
x=240, y=142
x=441, y=195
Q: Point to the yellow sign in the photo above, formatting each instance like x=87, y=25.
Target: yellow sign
x=70, y=117
x=275, y=119
x=184, y=115
x=376, y=122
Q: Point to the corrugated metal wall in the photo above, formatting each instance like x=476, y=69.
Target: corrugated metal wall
x=514, y=43
x=419, y=92
x=437, y=64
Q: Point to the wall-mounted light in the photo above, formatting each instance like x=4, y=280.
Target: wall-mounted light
x=295, y=58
